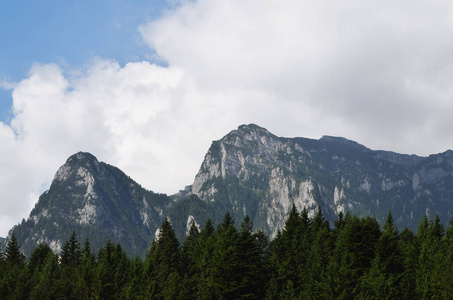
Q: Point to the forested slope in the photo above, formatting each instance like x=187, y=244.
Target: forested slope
x=309, y=259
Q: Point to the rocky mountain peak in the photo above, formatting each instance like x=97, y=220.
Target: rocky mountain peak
x=82, y=157
x=96, y=200
x=344, y=141
x=248, y=151
x=81, y=163
x=250, y=172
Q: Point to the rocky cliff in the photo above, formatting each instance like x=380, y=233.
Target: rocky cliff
x=98, y=202
x=251, y=172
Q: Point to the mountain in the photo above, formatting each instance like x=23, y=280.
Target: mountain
x=251, y=172
x=98, y=202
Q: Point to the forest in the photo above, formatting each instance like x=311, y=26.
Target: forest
x=354, y=258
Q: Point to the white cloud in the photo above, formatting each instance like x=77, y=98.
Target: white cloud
x=377, y=72
x=363, y=63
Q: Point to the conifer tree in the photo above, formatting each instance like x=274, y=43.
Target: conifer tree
x=447, y=264
x=318, y=259
x=112, y=272
x=307, y=260
x=354, y=251
x=409, y=259
x=70, y=260
x=251, y=257
x=302, y=253
x=188, y=262
x=121, y=269
x=383, y=278
x=13, y=256
x=2, y=266
x=85, y=274
x=204, y=251
x=274, y=256
x=335, y=261
x=430, y=238
x=288, y=257
x=289, y=260
x=225, y=261
x=164, y=260
x=13, y=285
x=135, y=289
x=47, y=286
x=36, y=263
x=38, y=257
x=71, y=252
x=104, y=287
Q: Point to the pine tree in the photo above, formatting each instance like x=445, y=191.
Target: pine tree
x=163, y=261
x=36, y=264
x=204, y=251
x=252, y=270
x=438, y=250
x=2, y=267
x=318, y=260
x=302, y=252
x=104, y=287
x=430, y=238
x=188, y=262
x=447, y=264
x=354, y=251
x=225, y=261
x=69, y=260
x=135, y=289
x=290, y=260
x=47, y=285
x=71, y=252
x=121, y=269
x=14, y=284
x=288, y=257
x=384, y=276
x=336, y=256
x=38, y=257
x=85, y=275
x=409, y=259
x=274, y=255
x=13, y=256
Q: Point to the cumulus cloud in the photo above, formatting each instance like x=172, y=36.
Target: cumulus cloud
x=380, y=67
x=376, y=72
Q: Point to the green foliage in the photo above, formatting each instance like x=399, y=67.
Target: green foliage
x=13, y=256
x=163, y=263
x=307, y=260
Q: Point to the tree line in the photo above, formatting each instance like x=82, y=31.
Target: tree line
x=309, y=259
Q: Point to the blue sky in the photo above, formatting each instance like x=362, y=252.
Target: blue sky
x=148, y=85
x=69, y=33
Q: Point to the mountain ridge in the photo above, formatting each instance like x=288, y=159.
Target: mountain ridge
x=97, y=200
x=249, y=171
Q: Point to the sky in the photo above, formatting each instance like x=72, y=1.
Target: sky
x=148, y=85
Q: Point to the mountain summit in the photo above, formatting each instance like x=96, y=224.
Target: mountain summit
x=98, y=202
x=251, y=172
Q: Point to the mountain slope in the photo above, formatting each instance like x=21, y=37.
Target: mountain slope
x=97, y=201
x=251, y=172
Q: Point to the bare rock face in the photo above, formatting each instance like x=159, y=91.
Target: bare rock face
x=251, y=171
x=243, y=153
x=98, y=202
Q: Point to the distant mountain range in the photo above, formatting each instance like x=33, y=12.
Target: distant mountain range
x=251, y=172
